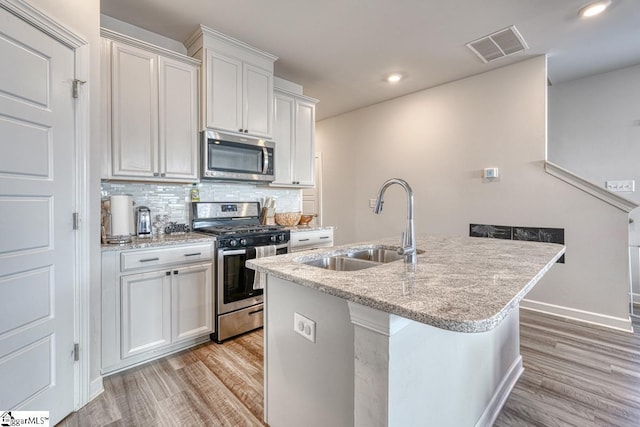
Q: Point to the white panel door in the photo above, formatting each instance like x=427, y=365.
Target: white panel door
x=257, y=101
x=134, y=134
x=37, y=247
x=283, y=136
x=146, y=312
x=178, y=108
x=304, y=146
x=224, y=92
x=192, y=303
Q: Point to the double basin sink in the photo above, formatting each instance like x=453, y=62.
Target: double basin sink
x=357, y=260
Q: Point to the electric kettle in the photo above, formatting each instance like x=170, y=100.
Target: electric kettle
x=143, y=221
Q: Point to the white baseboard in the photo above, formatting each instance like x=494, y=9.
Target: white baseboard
x=95, y=388
x=496, y=403
x=619, y=323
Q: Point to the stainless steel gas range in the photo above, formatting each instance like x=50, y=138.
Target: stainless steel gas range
x=239, y=236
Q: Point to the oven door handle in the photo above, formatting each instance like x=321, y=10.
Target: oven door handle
x=265, y=160
x=224, y=252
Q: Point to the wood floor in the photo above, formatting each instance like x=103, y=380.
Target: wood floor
x=209, y=385
x=575, y=375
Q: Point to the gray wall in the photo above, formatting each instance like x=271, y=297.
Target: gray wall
x=594, y=127
x=439, y=140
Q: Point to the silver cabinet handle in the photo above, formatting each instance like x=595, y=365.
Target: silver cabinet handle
x=325, y=237
x=194, y=254
x=150, y=259
x=251, y=313
x=303, y=240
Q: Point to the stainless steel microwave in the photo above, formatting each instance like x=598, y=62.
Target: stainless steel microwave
x=236, y=158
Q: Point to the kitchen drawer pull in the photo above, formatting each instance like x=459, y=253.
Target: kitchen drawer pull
x=251, y=313
x=150, y=259
x=325, y=237
x=303, y=240
x=194, y=254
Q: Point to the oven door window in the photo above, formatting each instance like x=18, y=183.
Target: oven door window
x=238, y=280
x=233, y=157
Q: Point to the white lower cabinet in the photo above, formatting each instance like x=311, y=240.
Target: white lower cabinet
x=302, y=240
x=146, y=312
x=190, y=317
x=149, y=311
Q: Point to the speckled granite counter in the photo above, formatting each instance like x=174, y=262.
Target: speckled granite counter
x=164, y=240
x=460, y=284
x=300, y=228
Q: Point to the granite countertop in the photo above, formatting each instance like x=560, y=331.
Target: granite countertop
x=464, y=284
x=159, y=241
x=311, y=227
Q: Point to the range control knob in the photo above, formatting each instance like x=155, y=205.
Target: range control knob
x=233, y=243
x=281, y=238
x=243, y=242
x=273, y=238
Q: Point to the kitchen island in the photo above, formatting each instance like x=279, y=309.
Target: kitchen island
x=435, y=343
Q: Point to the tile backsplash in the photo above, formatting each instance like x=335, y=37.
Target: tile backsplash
x=174, y=199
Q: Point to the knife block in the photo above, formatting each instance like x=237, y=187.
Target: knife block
x=267, y=216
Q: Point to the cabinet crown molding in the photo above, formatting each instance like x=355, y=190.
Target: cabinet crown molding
x=123, y=38
x=217, y=35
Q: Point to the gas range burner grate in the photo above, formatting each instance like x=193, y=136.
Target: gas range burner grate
x=237, y=230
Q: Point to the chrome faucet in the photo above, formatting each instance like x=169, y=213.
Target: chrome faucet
x=408, y=244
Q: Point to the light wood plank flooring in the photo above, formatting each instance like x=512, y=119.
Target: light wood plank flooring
x=575, y=375
x=209, y=385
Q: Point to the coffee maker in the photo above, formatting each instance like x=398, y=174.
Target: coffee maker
x=143, y=221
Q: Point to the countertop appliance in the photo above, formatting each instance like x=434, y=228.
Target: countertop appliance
x=117, y=219
x=239, y=236
x=236, y=158
x=143, y=221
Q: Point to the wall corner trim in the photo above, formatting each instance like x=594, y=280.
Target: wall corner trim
x=588, y=187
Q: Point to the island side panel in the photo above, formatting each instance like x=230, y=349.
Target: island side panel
x=447, y=378
x=307, y=383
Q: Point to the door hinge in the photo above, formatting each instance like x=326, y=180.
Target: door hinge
x=76, y=220
x=76, y=352
x=76, y=84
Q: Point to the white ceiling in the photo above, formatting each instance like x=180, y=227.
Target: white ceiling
x=340, y=50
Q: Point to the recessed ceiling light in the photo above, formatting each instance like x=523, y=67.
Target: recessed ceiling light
x=394, y=78
x=593, y=9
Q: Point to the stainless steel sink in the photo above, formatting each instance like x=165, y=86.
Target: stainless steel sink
x=379, y=255
x=356, y=260
x=342, y=263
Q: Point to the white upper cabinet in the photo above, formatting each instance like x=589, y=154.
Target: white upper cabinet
x=237, y=84
x=150, y=119
x=294, y=134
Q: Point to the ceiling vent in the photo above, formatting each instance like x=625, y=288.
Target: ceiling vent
x=498, y=45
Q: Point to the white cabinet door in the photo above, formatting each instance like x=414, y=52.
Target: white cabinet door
x=178, y=119
x=257, y=100
x=134, y=92
x=192, y=303
x=224, y=97
x=304, y=152
x=146, y=312
x=294, y=135
x=283, y=136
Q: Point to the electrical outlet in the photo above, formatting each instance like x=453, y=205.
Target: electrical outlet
x=372, y=203
x=627, y=185
x=304, y=326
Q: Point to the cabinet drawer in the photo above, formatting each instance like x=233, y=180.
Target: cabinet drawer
x=301, y=240
x=140, y=259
